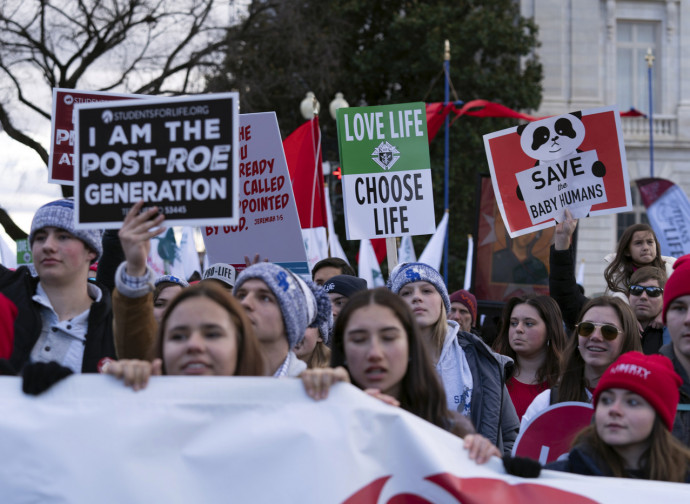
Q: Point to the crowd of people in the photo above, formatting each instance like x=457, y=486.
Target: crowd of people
x=411, y=344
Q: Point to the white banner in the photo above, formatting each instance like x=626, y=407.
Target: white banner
x=668, y=210
x=91, y=440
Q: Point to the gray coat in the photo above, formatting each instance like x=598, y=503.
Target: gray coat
x=492, y=411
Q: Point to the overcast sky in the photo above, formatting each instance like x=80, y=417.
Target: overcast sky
x=24, y=176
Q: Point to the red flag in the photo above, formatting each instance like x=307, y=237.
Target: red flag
x=489, y=109
x=436, y=113
x=303, y=156
x=379, y=245
x=633, y=112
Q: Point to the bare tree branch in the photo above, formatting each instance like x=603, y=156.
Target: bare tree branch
x=143, y=46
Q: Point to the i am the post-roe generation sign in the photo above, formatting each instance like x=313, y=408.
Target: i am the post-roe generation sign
x=386, y=170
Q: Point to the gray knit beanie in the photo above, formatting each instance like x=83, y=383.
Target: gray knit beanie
x=405, y=273
x=295, y=298
x=60, y=214
x=324, y=312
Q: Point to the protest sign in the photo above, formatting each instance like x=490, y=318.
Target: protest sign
x=386, y=172
x=268, y=222
x=62, y=135
x=24, y=256
x=549, y=434
x=241, y=439
x=668, y=211
x=574, y=161
x=177, y=153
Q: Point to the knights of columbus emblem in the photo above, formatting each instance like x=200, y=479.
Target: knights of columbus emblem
x=385, y=155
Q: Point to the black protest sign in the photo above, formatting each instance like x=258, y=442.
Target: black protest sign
x=176, y=153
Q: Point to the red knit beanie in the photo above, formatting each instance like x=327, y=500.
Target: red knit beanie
x=468, y=299
x=678, y=284
x=651, y=376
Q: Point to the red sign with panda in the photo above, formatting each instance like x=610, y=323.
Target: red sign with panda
x=574, y=161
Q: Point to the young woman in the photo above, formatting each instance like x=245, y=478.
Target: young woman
x=635, y=404
x=376, y=344
x=473, y=376
x=637, y=247
x=605, y=329
x=166, y=287
x=532, y=335
x=204, y=331
x=313, y=349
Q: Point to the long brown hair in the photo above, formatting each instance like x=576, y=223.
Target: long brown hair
x=250, y=361
x=617, y=274
x=666, y=459
x=320, y=357
x=550, y=314
x=572, y=383
x=421, y=389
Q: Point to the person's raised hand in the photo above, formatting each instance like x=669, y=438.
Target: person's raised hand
x=257, y=259
x=135, y=234
x=564, y=231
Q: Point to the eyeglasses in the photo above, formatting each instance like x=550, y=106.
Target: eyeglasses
x=652, y=292
x=609, y=331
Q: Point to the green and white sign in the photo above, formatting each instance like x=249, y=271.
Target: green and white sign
x=384, y=153
x=24, y=257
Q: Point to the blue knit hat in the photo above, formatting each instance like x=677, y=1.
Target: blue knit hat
x=296, y=300
x=172, y=279
x=405, y=273
x=60, y=214
x=324, y=311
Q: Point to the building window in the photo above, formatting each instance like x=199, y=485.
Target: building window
x=633, y=40
x=637, y=215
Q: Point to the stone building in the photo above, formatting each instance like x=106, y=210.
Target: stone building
x=593, y=54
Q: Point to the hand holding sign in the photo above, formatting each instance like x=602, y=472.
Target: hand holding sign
x=564, y=231
x=135, y=235
x=574, y=161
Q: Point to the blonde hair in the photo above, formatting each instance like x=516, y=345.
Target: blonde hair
x=666, y=459
x=320, y=356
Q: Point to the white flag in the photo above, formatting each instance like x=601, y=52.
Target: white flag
x=468, y=263
x=406, y=251
x=190, y=257
x=315, y=244
x=336, y=250
x=369, y=268
x=433, y=252
x=7, y=258
x=165, y=257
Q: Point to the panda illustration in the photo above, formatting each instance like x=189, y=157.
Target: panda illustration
x=554, y=138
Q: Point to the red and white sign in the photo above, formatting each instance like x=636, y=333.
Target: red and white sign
x=550, y=434
x=258, y=440
x=668, y=210
x=574, y=161
x=268, y=222
x=62, y=135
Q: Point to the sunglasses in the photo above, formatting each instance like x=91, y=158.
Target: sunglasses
x=652, y=292
x=609, y=331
